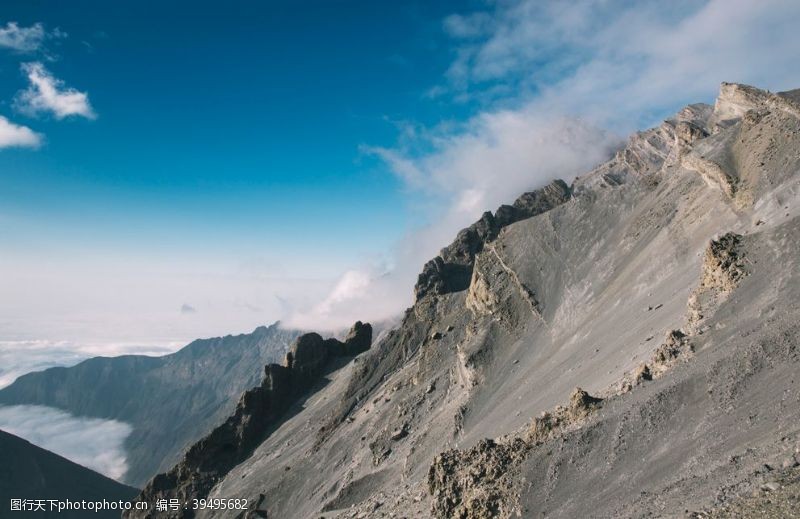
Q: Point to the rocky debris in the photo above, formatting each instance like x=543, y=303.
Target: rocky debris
x=723, y=263
x=550, y=423
x=475, y=483
x=676, y=347
x=722, y=271
x=479, y=483
x=210, y=459
x=451, y=271
x=775, y=499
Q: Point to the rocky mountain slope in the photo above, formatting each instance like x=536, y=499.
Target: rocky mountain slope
x=625, y=346
x=29, y=472
x=170, y=401
x=259, y=410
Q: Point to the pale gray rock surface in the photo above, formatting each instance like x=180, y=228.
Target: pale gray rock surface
x=664, y=283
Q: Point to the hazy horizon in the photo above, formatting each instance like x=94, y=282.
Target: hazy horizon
x=302, y=164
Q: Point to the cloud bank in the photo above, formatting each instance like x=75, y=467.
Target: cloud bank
x=93, y=443
x=47, y=94
x=20, y=357
x=554, y=83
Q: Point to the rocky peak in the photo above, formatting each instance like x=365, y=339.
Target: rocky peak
x=451, y=270
x=734, y=101
x=358, y=339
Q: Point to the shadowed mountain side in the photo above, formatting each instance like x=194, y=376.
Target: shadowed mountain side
x=170, y=401
x=30, y=472
x=259, y=410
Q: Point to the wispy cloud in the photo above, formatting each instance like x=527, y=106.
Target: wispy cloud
x=492, y=160
x=93, y=443
x=15, y=135
x=616, y=61
x=26, y=39
x=47, y=94
x=568, y=76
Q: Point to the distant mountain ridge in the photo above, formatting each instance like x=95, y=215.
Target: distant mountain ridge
x=30, y=472
x=170, y=401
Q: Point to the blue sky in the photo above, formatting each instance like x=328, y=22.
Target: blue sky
x=240, y=124
x=202, y=168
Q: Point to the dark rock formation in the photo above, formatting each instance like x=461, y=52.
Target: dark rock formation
x=452, y=269
x=259, y=409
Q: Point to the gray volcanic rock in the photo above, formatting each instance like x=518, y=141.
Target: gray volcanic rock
x=259, y=410
x=170, y=401
x=30, y=472
x=665, y=283
x=452, y=269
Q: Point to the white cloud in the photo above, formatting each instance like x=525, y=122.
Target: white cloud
x=620, y=63
x=46, y=93
x=497, y=157
x=91, y=442
x=567, y=70
x=26, y=39
x=14, y=135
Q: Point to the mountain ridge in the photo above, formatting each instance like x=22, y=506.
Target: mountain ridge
x=171, y=401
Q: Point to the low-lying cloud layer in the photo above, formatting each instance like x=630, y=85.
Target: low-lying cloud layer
x=93, y=443
x=20, y=357
x=570, y=76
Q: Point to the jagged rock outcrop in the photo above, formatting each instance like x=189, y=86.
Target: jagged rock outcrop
x=258, y=410
x=451, y=270
x=648, y=151
x=723, y=270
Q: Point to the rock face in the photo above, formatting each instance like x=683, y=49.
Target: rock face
x=259, y=409
x=469, y=407
x=451, y=270
x=171, y=401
